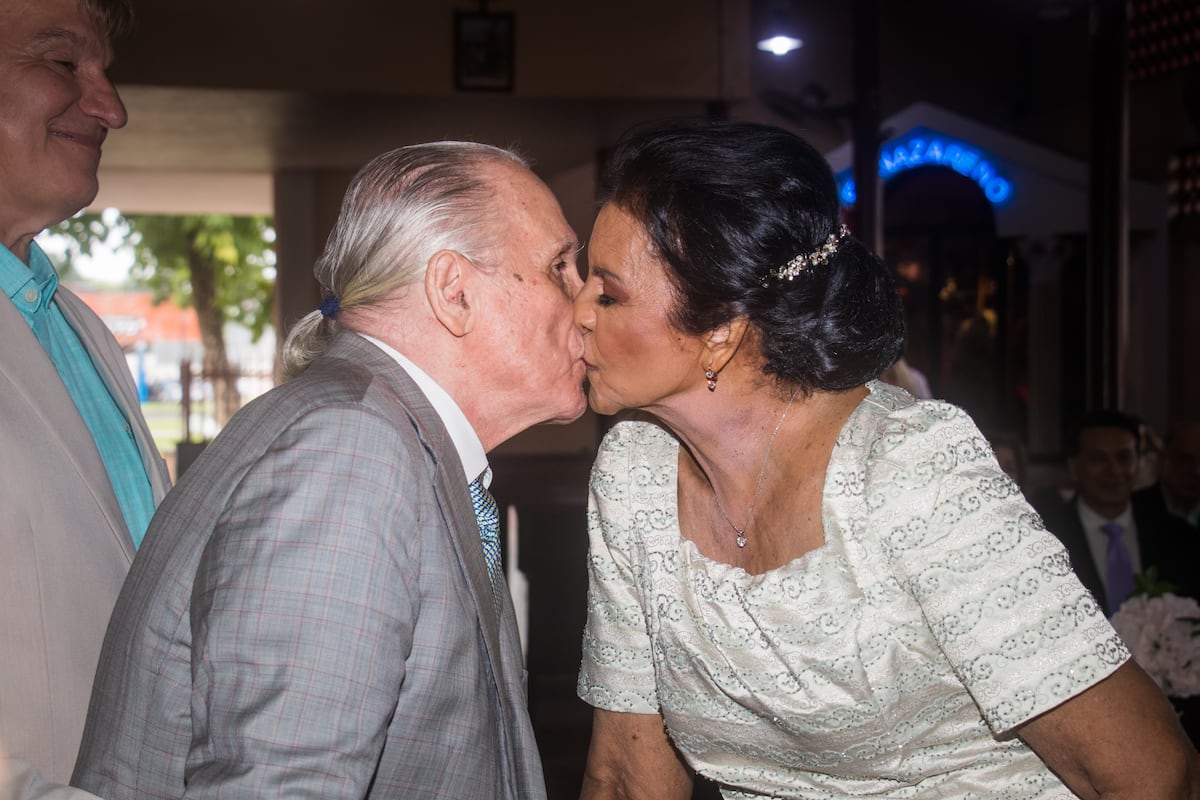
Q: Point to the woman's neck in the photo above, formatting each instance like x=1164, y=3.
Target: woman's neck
x=754, y=469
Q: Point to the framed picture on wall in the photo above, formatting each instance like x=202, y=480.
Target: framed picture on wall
x=483, y=51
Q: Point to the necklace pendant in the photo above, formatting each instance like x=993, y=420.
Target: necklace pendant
x=741, y=540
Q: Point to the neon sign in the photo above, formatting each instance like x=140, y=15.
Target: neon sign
x=922, y=147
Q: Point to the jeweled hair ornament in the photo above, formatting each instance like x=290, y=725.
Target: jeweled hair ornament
x=805, y=260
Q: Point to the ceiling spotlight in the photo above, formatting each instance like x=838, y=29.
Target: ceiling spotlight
x=779, y=44
x=778, y=28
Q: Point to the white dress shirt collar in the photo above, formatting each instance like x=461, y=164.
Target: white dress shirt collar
x=466, y=441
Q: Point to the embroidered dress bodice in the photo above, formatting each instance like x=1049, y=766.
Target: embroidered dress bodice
x=937, y=614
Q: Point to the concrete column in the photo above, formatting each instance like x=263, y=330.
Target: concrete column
x=866, y=122
x=1108, y=218
x=1148, y=369
x=1184, y=331
x=306, y=208
x=1045, y=423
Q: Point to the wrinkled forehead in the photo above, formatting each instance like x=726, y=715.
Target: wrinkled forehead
x=529, y=204
x=34, y=22
x=1108, y=439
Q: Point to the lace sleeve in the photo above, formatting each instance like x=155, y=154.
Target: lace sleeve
x=996, y=588
x=617, y=672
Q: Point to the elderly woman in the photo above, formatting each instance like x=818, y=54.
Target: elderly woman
x=803, y=582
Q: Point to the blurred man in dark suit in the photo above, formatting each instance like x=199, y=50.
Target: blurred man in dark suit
x=1177, y=491
x=1112, y=534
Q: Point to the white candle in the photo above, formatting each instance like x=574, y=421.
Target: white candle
x=518, y=586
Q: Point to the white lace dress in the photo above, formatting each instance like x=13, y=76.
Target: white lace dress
x=888, y=663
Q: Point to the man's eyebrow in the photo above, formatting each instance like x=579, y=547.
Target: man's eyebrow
x=570, y=247
x=56, y=34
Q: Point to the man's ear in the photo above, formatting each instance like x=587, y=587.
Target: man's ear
x=722, y=342
x=451, y=282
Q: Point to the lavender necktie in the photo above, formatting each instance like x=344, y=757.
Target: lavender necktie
x=1119, y=566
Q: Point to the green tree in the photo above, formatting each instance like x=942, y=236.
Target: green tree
x=219, y=264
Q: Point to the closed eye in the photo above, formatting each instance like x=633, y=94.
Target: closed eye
x=600, y=279
x=560, y=274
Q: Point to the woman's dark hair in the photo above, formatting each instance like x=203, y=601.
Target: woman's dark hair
x=724, y=203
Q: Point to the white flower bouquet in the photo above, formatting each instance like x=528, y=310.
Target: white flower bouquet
x=1163, y=633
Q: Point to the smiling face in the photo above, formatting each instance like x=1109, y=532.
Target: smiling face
x=533, y=280
x=56, y=107
x=635, y=358
x=1105, y=468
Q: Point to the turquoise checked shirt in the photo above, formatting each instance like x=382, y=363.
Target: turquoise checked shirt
x=31, y=289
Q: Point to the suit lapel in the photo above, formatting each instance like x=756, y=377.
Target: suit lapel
x=114, y=372
x=455, y=502
x=450, y=489
x=1080, y=551
x=33, y=376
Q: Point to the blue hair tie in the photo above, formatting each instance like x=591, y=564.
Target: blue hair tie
x=330, y=306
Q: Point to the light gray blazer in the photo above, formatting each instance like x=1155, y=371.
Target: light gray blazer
x=310, y=614
x=64, y=547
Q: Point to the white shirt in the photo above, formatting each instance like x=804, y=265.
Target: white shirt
x=1098, y=541
x=462, y=435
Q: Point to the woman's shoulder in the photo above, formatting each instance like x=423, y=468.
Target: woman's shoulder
x=637, y=455
x=637, y=436
x=891, y=423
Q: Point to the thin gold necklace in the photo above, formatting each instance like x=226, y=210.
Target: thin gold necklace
x=741, y=532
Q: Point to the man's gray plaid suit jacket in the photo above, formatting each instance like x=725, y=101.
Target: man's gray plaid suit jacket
x=310, y=614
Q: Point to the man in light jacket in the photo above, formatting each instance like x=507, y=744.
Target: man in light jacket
x=79, y=472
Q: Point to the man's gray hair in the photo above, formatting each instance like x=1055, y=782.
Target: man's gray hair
x=401, y=208
x=114, y=16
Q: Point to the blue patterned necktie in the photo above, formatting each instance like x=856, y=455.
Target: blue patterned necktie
x=488, y=517
x=1119, y=565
